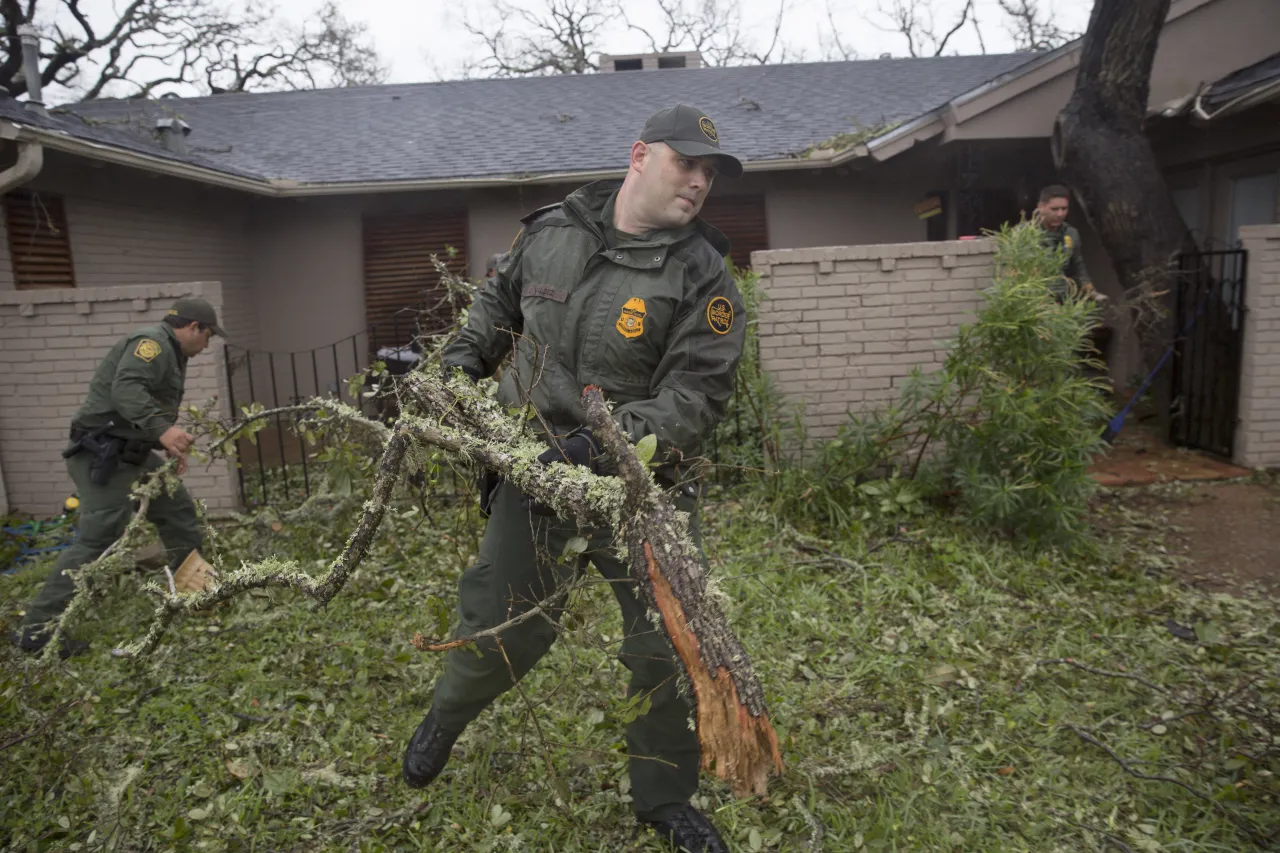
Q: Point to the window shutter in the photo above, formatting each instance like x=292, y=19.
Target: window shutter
x=39, y=245
x=399, y=278
x=741, y=218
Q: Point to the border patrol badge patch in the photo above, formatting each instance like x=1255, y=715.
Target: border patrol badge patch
x=1066, y=240
x=705, y=125
x=631, y=321
x=720, y=315
x=147, y=350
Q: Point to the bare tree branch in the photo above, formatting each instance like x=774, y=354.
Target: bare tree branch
x=181, y=46
x=559, y=39
x=833, y=47
x=915, y=21
x=1033, y=29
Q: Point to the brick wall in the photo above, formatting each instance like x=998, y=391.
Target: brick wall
x=50, y=344
x=1258, y=435
x=841, y=327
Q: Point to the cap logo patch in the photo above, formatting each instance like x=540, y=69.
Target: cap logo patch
x=631, y=321
x=720, y=315
x=708, y=129
x=173, y=311
x=147, y=350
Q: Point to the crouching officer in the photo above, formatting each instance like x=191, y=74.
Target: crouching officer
x=620, y=286
x=131, y=410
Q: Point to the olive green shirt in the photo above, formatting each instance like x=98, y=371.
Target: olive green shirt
x=1073, y=267
x=139, y=385
x=655, y=320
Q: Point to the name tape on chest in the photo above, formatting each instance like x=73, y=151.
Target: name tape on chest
x=147, y=350
x=720, y=315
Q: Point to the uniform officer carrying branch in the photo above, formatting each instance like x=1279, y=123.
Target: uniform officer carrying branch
x=620, y=286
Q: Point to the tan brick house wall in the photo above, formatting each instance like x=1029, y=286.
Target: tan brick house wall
x=1258, y=435
x=842, y=327
x=50, y=344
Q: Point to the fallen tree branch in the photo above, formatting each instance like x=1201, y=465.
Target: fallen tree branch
x=422, y=644
x=274, y=572
x=1107, y=673
x=738, y=742
x=1127, y=767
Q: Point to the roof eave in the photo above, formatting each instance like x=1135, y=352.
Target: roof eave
x=60, y=141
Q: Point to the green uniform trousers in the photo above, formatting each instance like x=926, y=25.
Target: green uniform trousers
x=515, y=570
x=104, y=513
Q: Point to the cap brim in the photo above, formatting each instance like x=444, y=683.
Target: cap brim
x=218, y=330
x=729, y=165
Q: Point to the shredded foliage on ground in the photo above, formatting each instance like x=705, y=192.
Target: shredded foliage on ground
x=904, y=683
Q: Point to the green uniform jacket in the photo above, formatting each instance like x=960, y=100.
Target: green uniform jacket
x=656, y=321
x=1074, y=269
x=139, y=385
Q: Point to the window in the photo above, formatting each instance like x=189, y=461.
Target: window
x=39, y=246
x=741, y=218
x=400, y=282
x=628, y=65
x=1253, y=202
x=671, y=62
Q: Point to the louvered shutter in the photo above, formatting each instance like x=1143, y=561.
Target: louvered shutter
x=741, y=218
x=39, y=246
x=399, y=278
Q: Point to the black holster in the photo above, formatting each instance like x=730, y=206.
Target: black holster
x=105, y=450
x=108, y=450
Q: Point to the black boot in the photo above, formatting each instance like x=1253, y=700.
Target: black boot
x=688, y=829
x=33, y=642
x=428, y=752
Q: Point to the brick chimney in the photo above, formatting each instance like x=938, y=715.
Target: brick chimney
x=610, y=63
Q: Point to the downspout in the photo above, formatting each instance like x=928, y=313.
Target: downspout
x=30, y=161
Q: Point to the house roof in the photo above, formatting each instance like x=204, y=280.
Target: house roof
x=1256, y=78
x=513, y=128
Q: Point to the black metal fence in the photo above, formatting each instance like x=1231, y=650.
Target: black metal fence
x=1209, y=319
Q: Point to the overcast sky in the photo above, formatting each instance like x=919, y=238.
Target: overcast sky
x=425, y=40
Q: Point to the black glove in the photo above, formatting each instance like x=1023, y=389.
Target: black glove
x=446, y=372
x=579, y=448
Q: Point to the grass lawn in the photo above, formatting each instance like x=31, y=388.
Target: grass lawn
x=904, y=685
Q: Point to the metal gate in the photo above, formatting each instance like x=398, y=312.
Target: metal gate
x=280, y=465
x=1209, y=316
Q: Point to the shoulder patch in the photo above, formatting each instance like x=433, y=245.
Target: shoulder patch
x=720, y=315
x=147, y=349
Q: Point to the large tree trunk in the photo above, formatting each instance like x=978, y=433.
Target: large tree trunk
x=1101, y=151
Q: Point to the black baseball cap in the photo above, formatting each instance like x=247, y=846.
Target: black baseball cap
x=688, y=130
x=199, y=310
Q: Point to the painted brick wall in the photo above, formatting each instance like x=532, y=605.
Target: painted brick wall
x=1258, y=435
x=841, y=327
x=50, y=344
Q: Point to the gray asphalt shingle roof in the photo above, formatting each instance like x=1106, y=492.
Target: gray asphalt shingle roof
x=491, y=128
